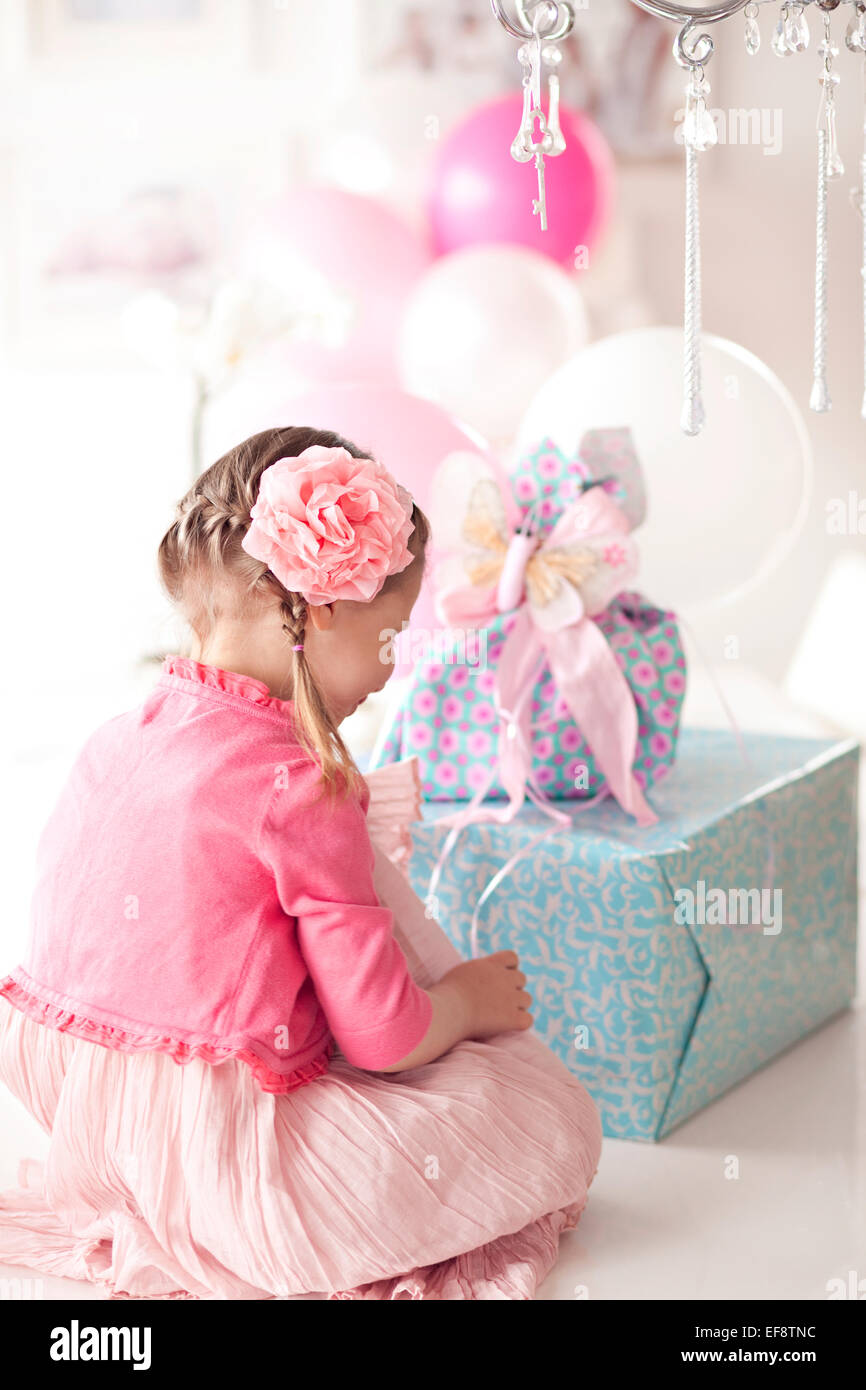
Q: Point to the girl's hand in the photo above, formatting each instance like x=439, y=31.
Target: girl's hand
x=477, y=999
x=492, y=990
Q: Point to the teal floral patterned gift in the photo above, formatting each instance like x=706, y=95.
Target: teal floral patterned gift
x=554, y=678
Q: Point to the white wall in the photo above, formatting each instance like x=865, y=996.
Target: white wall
x=94, y=454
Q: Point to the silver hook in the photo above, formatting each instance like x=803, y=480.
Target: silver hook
x=528, y=12
x=561, y=19
x=690, y=15
x=700, y=47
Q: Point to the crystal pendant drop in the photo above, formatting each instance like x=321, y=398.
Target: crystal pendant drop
x=835, y=167
x=699, y=128
x=829, y=81
x=797, y=31
x=855, y=34
x=753, y=31
x=779, y=43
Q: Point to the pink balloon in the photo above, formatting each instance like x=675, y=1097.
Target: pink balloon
x=409, y=435
x=365, y=253
x=479, y=193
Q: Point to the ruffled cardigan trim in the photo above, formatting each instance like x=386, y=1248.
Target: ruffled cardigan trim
x=123, y=1040
x=227, y=682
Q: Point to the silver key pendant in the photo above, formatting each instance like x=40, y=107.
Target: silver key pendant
x=534, y=139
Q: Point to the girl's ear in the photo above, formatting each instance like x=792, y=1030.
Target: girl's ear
x=321, y=615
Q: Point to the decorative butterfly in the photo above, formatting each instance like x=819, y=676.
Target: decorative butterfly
x=491, y=566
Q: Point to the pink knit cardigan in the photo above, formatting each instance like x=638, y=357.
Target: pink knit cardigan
x=193, y=898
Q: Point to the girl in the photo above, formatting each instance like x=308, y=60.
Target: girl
x=265, y=1073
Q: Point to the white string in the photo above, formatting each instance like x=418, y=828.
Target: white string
x=863, y=215
x=693, y=409
x=820, y=398
x=863, y=267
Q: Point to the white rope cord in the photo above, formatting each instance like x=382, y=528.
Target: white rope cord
x=863, y=271
x=693, y=408
x=820, y=398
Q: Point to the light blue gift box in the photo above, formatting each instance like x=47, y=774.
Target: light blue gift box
x=665, y=965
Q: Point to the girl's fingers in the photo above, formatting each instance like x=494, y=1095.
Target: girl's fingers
x=509, y=959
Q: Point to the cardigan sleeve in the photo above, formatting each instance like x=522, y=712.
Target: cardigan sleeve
x=322, y=859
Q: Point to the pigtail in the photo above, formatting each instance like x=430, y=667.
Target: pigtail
x=316, y=731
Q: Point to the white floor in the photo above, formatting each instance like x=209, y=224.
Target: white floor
x=663, y=1221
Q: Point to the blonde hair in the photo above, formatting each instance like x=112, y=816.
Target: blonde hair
x=201, y=559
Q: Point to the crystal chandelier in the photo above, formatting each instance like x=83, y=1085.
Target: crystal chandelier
x=539, y=24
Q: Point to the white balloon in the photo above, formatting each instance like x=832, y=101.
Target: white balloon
x=725, y=506
x=484, y=327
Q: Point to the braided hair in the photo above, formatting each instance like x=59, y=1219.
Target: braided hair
x=203, y=566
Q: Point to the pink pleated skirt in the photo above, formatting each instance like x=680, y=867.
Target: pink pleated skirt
x=450, y=1181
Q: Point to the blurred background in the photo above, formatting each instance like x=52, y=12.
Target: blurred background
x=221, y=215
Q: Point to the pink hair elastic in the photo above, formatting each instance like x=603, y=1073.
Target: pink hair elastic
x=298, y=648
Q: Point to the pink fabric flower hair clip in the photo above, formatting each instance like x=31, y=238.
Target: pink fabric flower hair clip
x=330, y=526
